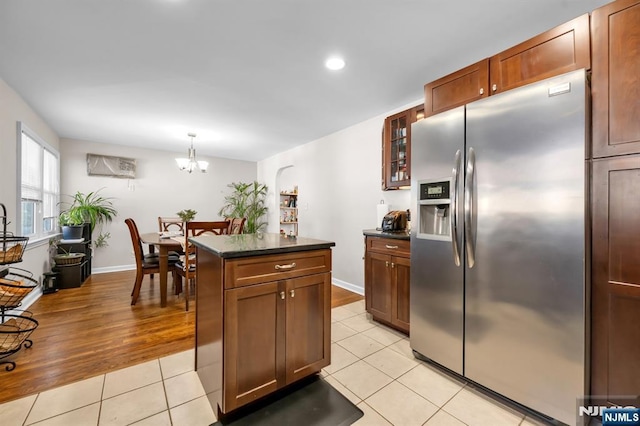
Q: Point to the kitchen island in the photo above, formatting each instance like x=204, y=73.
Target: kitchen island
x=263, y=314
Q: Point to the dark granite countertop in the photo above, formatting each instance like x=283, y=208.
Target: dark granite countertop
x=403, y=235
x=230, y=246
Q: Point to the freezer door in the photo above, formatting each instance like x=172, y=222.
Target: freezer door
x=525, y=290
x=437, y=290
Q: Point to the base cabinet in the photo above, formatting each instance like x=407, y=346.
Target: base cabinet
x=275, y=334
x=615, y=295
x=262, y=322
x=387, y=275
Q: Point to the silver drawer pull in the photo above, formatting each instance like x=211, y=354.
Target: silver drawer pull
x=390, y=247
x=289, y=266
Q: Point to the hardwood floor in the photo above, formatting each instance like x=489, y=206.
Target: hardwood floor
x=340, y=296
x=93, y=329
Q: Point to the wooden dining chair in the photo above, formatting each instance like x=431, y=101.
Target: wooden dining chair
x=187, y=266
x=146, y=264
x=167, y=224
x=236, y=225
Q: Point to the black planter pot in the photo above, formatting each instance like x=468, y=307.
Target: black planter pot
x=72, y=232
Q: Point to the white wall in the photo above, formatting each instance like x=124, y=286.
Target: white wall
x=13, y=109
x=338, y=178
x=159, y=189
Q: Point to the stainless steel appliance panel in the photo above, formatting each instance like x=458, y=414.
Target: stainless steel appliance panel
x=525, y=293
x=437, y=287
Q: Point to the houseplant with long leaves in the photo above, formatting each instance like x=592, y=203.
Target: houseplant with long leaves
x=247, y=200
x=90, y=208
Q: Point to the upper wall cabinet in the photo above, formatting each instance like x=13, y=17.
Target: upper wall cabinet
x=396, y=148
x=457, y=89
x=615, y=84
x=557, y=51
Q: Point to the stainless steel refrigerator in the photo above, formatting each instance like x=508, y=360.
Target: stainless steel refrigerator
x=499, y=243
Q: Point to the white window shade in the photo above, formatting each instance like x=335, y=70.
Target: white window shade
x=31, y=169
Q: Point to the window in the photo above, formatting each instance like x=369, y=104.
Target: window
x=39, y=179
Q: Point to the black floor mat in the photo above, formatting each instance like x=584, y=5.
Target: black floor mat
x=313, y=403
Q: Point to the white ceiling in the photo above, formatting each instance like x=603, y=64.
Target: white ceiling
x=246, y=75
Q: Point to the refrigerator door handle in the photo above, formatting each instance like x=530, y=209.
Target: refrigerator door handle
x=454, y=208
x=468, y=207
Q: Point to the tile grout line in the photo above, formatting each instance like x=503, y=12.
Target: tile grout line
x=164, y=389
x=104, y=384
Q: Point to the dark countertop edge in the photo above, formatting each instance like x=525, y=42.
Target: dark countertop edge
x=392, y=235
x=264, y=251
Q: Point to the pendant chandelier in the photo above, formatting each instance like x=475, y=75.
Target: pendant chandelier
x=190, y=164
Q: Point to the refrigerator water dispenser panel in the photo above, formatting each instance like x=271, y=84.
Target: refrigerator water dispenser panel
x=434, y=215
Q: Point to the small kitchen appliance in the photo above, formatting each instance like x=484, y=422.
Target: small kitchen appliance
x=395, y=221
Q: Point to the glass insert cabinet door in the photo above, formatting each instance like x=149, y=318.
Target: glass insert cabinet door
x=396, y=148
x=399, y=149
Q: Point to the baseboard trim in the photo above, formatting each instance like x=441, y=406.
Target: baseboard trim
x=118, y=268
x=29, y=300
x=348, y=286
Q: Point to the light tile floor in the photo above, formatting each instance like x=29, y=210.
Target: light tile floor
x=371, y=364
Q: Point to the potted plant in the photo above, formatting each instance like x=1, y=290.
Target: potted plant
x=72, y=224
x=66, y=258
x=91, y=208
x=187, y=215
x=246, y=200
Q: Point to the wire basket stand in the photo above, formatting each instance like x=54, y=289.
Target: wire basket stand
x=11, y=246
x=15, y=285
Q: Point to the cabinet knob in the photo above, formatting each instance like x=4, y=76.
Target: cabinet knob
x=482, y=90
x=289, y=266
x=393, y=265
x=282, y=295
x=494, y=87
x=292, y=293
x=387, y=263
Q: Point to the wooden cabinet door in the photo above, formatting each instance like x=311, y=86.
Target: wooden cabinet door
x=459, y=88
x=615, y=295
x=557, y=51
x=615, y=83
x=308, y=312
x=378, y=291
x=254, y=343
x=396, y=149
x=401, y=267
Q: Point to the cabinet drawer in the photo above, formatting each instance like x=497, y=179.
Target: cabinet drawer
x=261, y=269
x=390, y=246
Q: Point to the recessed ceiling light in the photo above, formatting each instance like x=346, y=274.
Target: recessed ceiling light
x=334, y=64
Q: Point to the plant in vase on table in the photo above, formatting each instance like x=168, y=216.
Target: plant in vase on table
x=187, y=215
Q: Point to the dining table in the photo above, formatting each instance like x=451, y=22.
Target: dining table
x=164, y=244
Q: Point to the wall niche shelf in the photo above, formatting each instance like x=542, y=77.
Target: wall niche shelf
x=289, y=212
